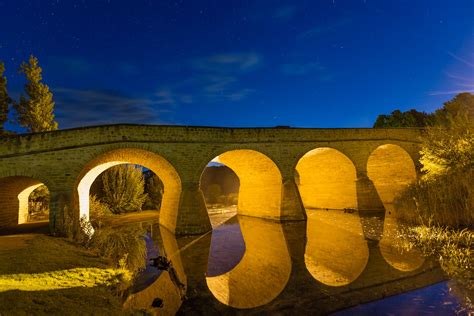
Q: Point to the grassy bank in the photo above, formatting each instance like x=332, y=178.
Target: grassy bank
x=439, y=218
x=41, y=275
x=446, y=201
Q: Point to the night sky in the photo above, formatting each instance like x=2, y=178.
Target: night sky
x=326, y=63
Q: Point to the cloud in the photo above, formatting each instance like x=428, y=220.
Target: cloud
x=296, y=69
x=215, y=78
x=228, y=63
x=76, y=107
x=285, y=12
x=322, y=29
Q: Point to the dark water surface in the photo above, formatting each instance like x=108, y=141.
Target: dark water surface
x=431, y=300
x=336, y=262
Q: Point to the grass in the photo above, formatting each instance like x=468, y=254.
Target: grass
x=63, y=279
x=439, y=218
x=454, y=250
x=46, y=275
x=447, y=200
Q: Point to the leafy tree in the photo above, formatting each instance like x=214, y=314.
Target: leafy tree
x=458, y=111
x=155, y=189
x=411, y=118
x=35, y=112
x=450, y=144
x=5, y=100
x=123, y=189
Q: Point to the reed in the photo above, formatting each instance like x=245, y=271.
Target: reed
x=446, y=200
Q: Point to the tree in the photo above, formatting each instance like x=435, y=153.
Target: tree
x=411, y=118
x=5, y=100
x=155, y=189
x=457, y=111
x=35, y=112
x=450, y=144
x=123, y=189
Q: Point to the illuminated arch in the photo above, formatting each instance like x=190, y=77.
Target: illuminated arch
x=336, y=251
x=391, y=169
x=326, y=179
x=160, y=166
x=14, y=194
x=260, y=182
x=263, y=272
x=392, y=249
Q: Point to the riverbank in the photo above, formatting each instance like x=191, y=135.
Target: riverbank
x=42, y=275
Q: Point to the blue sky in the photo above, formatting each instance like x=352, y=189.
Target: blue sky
x=328, y=63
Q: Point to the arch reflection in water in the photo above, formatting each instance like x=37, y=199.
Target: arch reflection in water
x=264, y=270
x=393, y=250
x=163, y=288
x=336, y=251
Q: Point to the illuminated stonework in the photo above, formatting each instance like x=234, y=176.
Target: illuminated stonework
x=391, y=169
x=327, y=180
x=162, y=168
x=260, y=183
x=14, y=193
x=265, y=159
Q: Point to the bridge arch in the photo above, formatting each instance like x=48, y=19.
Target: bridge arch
x=260, y=190
x=326, y=179
x=15, y=190
x=153, y=161
x=391, y=168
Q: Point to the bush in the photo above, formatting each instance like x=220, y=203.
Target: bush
x=213, y=193
x=154, y=189
x=123, y=188
x=38, y=204
x=98, y=211
x=447, y=200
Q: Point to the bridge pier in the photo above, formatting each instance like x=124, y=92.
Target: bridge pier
x=61, y=218
x=192, y=217
x=371, y=208
x=292, y=208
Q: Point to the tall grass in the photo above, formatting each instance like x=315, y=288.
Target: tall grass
x=446, y=200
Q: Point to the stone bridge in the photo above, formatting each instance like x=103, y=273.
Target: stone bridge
x=270, y=163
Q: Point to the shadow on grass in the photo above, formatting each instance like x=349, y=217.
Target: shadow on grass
x=73, y=301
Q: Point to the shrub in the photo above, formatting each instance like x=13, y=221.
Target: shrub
x=154, y=189
x=98, y=211
x=213, y=193
x=123, y=188
x=447, y=200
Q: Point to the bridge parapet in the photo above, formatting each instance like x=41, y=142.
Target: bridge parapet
x=59, y=158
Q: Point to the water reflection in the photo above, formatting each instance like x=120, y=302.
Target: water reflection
x=263, y=271
x=227, y=248
x=392, y=248
x=333, y=261
x=336, y=250
x=164, y=287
